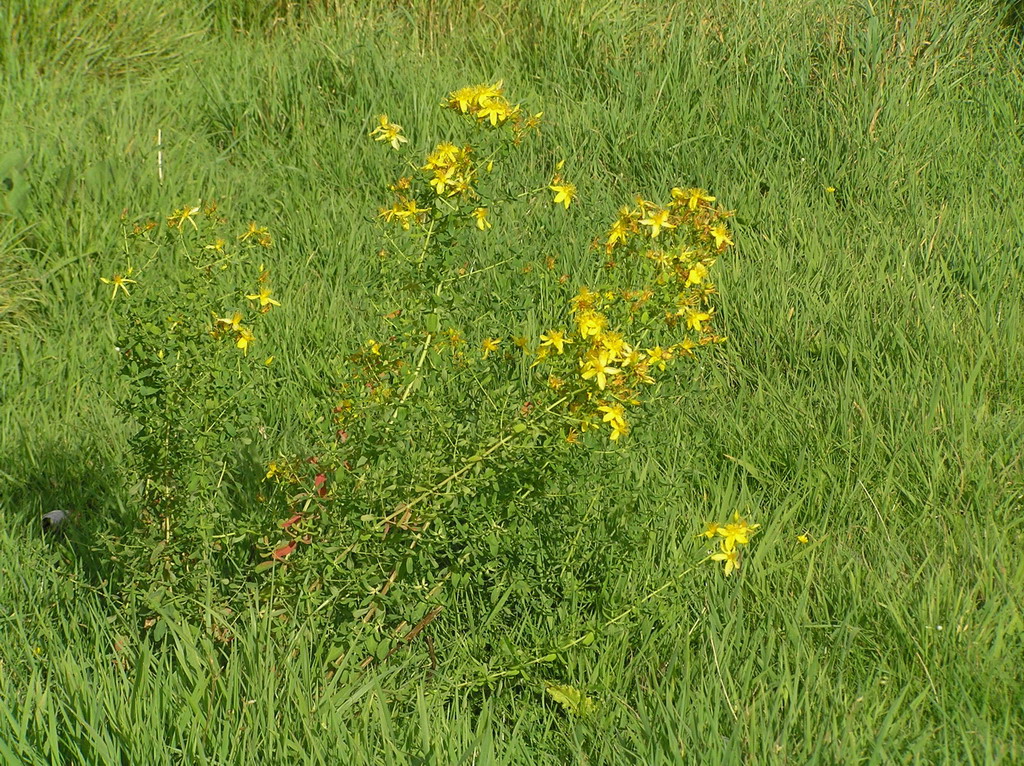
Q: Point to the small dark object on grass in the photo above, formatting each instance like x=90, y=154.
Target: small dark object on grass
x=54, y=521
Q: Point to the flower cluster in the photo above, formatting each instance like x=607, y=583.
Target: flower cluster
x=488, y=106
x=232, y=325
x=736, y=532
x=447, y=186
x=656, y=310
x=405, y=211
x=451, y=170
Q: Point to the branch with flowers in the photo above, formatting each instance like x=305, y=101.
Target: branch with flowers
x=438, y=417
x=430, y=414
x=187, y=310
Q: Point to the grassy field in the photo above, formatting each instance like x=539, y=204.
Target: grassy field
x=869, y=394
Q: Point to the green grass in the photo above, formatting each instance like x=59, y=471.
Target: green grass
x=870, y=391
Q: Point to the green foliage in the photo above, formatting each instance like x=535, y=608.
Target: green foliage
x=185, y=322
x=867, y=400
x=445, y=434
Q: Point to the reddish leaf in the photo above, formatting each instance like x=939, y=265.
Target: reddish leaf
x=284, y=551
x=292, y=520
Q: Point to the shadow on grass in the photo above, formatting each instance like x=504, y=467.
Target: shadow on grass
x=107, y=539
x=79, y=480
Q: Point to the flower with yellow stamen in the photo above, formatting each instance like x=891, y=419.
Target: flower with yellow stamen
x=554, y=338
x=597, y=365
x=488, y=345
x=390, y=132
x=658, y=220
x=480, y=214
x=263, y=296
x=730, y=556
x=565, y=193
x=591, y=323
x=120, y=282
x=721, y=235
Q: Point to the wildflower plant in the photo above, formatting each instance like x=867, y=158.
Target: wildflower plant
x=654, y=309
x=730, y=536
x=189, y=307
x=443, y=423
x=441, y=415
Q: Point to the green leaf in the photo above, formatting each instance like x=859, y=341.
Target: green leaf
x=573, y=700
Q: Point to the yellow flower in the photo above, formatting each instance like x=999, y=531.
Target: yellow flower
x=642, y=371
x=120, y=282
x=218, y=245
x=543, y=353
x=259, y=234
x=710, y=529
x=485, y=102
x=373, y=346
x=613, y=343
x=444, y=155
x=443, y=178
x=730, y=556
x=489, y=345
x=480, y=214
x=554, y=338
x=496, y=110
x=272, y=470
x=615, y=417
x=698, y=273
x=597, y=365
x=177, y=219
x=462, y=99
x=736, y=532
x=658, y=220
x=591, y=323
x=565, y=193
x=684, y=347
x=658, y=356
x=721, y=235
x=621, y=228
x=803, y=538
x=245, y=338
x=695, y=318
x=692, y=197
x=584, y=300
x=263, y=296
x=390, y=132
x=233, y=323
x=618, y=233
